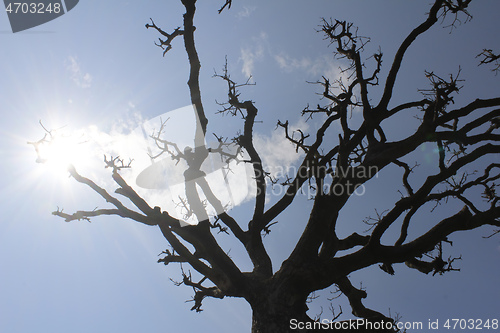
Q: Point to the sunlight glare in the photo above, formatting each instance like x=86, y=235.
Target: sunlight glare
x=60, y=149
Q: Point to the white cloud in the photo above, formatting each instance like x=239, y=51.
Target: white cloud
x=231, y=186
x=314, y=66
x=278, y=154
x=324, y=65
x=161, y=182
x=321, y=66
x=245, y=12
x=248, y=57
x=251, y=54
x=78, y=76
x=289, y=64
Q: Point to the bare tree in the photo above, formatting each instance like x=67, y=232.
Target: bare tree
x=332, y=169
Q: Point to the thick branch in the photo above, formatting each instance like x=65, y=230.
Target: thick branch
x=468, y=109
x=398, y=59
x=351, y=241
x=123, y=211
x=355, y=296
x=420, y=196
x=335, y=268
x=86, y=215
x=194, y=65
x=463, y=220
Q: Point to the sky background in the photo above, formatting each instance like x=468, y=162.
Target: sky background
x=96, y=70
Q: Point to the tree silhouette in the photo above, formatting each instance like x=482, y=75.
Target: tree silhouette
x=332, y=168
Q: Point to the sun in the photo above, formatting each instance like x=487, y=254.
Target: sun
x=60, y=148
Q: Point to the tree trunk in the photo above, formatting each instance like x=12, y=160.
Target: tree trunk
x=278, y=319
x=282, y=308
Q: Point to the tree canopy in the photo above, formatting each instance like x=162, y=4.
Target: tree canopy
x=348, y=139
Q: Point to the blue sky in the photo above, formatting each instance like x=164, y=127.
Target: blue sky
x=96, y=70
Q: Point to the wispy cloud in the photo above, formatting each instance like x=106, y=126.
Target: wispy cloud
x=161, y=182
x=314, y=67
x=245, y=12
x=289, y=64
x=278, y=154
x=78, y=76
x=251, y=54
x=321, y=66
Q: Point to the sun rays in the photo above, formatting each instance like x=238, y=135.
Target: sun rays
x=62, y=147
